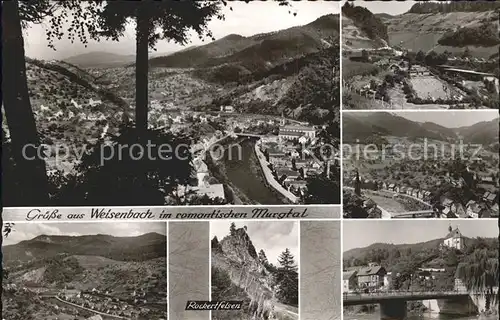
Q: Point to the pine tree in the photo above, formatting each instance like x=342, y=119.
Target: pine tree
x=232, y=229
x=287, y=279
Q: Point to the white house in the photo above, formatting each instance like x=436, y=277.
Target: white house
x=349, y=280
x=454, y=239
x=292, y=132
x=227, y=109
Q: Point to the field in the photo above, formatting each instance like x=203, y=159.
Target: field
x=429, y=86
x=422, y=31
x=355, y=101
x=388, y=204
x=398, y=99
x=414, y=41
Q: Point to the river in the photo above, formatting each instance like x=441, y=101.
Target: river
x=423, y=316
x=242, y=172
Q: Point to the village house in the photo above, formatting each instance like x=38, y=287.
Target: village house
x=490, y=198
x=201, y=171
x=227, y=109
x=454, y=239
x=277, y=158
x=296, y=186
x=371, y=276
x=387, y=280
x=418, y=70
x=473, y=209
x=286, y=174
x=299, y=163
x=349, y=281
x=458, y=210
x=494, y=210
x=292, y=132
x=294, y=153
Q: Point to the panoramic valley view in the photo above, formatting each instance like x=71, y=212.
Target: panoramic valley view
x=266, y=280
x=441, y=164
x=420, y=270
x=236, y=119
x=70, y=271
x=430, y=55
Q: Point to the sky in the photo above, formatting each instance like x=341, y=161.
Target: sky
x=272, y=236
x=28, y=231
x=362, y=233
x=390, y=7
x=245, y=19
x=451, y=119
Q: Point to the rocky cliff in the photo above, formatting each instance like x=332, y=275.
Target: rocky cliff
x=236, y=255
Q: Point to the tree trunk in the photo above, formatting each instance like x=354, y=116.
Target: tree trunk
x=31, y=172
x=141, y=71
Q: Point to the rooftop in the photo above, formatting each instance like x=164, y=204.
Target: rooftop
x=297, y=128
x=454, y=234
x=346, y=275
x=368, y=271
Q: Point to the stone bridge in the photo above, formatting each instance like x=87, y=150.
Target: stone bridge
x=393, y=303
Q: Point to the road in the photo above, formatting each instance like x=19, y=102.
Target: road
x=388, y=215
x=87, y=309
x=385, y=214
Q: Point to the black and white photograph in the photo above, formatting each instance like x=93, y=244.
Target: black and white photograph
x=77, y=271
x=255, y=263
x=441, y=164
x=447, y=269
x=420, y=55
x=170, y=103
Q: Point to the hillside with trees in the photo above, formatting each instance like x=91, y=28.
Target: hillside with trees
x=485, y=35
x=453, y=6
x=359, y=126
x=366, y=21
x=404, y=261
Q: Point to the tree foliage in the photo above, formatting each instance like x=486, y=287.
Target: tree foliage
x=287, y=278
x=485, y=35
x=366, y=21
x=129, y=169
x=424, y=7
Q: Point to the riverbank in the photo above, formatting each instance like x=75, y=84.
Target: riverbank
x=270, y=177
x=242, y=174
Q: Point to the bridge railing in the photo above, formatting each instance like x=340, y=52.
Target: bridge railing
x=390, y=293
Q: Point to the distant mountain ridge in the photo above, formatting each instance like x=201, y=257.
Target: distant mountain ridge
x=98, y=59
x=140, y=248
x=361, y=126
x=103, y=59
x=430, y=244
x=272, y=46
